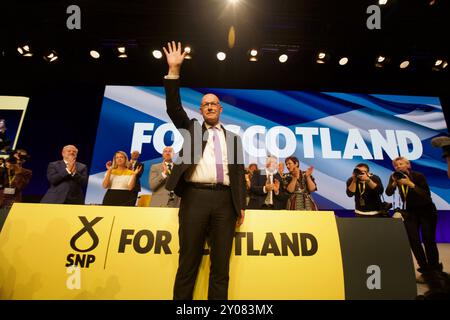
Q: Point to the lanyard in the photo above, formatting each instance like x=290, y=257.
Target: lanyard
x=10, y=178
x=405, y=191
x=363, y=187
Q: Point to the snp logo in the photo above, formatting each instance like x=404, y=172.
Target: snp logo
x=75, y=261
x=83, y=260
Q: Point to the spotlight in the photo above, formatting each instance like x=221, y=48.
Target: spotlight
x=381, y=61
x=94, y=54
x=253, y=55
x=121, y=52
x=51, y=56
x=283, y=58
x=404, y=64
x=382, y=2
x=157, y=54
x=343, y=61
x=188, y=51
x=322, y=57
x=439, y=64
x=221, y=56
x=25, y=51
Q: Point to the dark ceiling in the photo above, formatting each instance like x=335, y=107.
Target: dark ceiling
x=413, y=29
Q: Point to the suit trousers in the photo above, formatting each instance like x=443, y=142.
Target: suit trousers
x=205, y=212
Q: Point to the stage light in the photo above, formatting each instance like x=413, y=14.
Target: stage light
x=382, y=2
x=381, y=61
x=322, y=57
x=51, y=56
x=404, y=64
x=283, y=58
x=343, y=61
x=221, y=56
x=157, y=54
x=25, y=51
x=253, y=55
x=439, y=65
x=233, y=1
x=188, y=51
x=121, y=52
x=94, y=54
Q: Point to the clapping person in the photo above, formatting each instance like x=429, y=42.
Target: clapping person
x=299, y=184
x=159, y=173
x=120, y=181
x=67, y=178
x=265, y=191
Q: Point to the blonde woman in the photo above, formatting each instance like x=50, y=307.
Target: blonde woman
x=120, y=181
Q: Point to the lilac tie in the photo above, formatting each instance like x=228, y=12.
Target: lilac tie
x=218, y=156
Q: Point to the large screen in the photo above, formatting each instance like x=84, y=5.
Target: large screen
x=12, y=113
x=331, y=131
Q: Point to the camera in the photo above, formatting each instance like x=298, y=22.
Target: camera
x=12, y=160
x=399, y=175
x=385, y=207
x=357, y=172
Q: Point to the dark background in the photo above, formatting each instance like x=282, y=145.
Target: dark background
x=65, y=96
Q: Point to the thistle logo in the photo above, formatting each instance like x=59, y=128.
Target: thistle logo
x=83, y=260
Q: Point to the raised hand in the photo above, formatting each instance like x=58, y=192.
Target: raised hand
x=138, y=169
x=276, y=185
x=309, y=171
x=269, y=186
x=109, y=165
x=174, y=57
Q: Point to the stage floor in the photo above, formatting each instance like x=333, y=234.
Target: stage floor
x=444, y=256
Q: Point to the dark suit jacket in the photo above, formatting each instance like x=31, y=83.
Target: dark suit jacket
x=257, y=195
x=137, y=186
x=62, y=184
x=194, y=145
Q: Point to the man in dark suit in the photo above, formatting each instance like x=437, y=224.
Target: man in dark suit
x=133, y=164
x=209, y=178
x=67, y=179
x=265, y=190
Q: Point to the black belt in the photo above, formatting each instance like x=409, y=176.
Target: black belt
x=209, y=186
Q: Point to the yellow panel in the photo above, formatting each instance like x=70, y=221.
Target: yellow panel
x=137, y=255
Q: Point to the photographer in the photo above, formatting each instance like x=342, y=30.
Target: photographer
x=420, y=214
x=14, y=179
x=366, y=188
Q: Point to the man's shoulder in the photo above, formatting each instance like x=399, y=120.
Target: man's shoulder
x=156, y=166
x=55, y=163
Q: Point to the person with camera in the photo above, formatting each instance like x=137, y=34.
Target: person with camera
x=366, y=188
x=419, y=214
x=13, y=179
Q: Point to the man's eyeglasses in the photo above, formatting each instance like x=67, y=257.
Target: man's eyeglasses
x=211, y=103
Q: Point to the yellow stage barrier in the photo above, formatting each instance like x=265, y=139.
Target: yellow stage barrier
x=132, y=253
